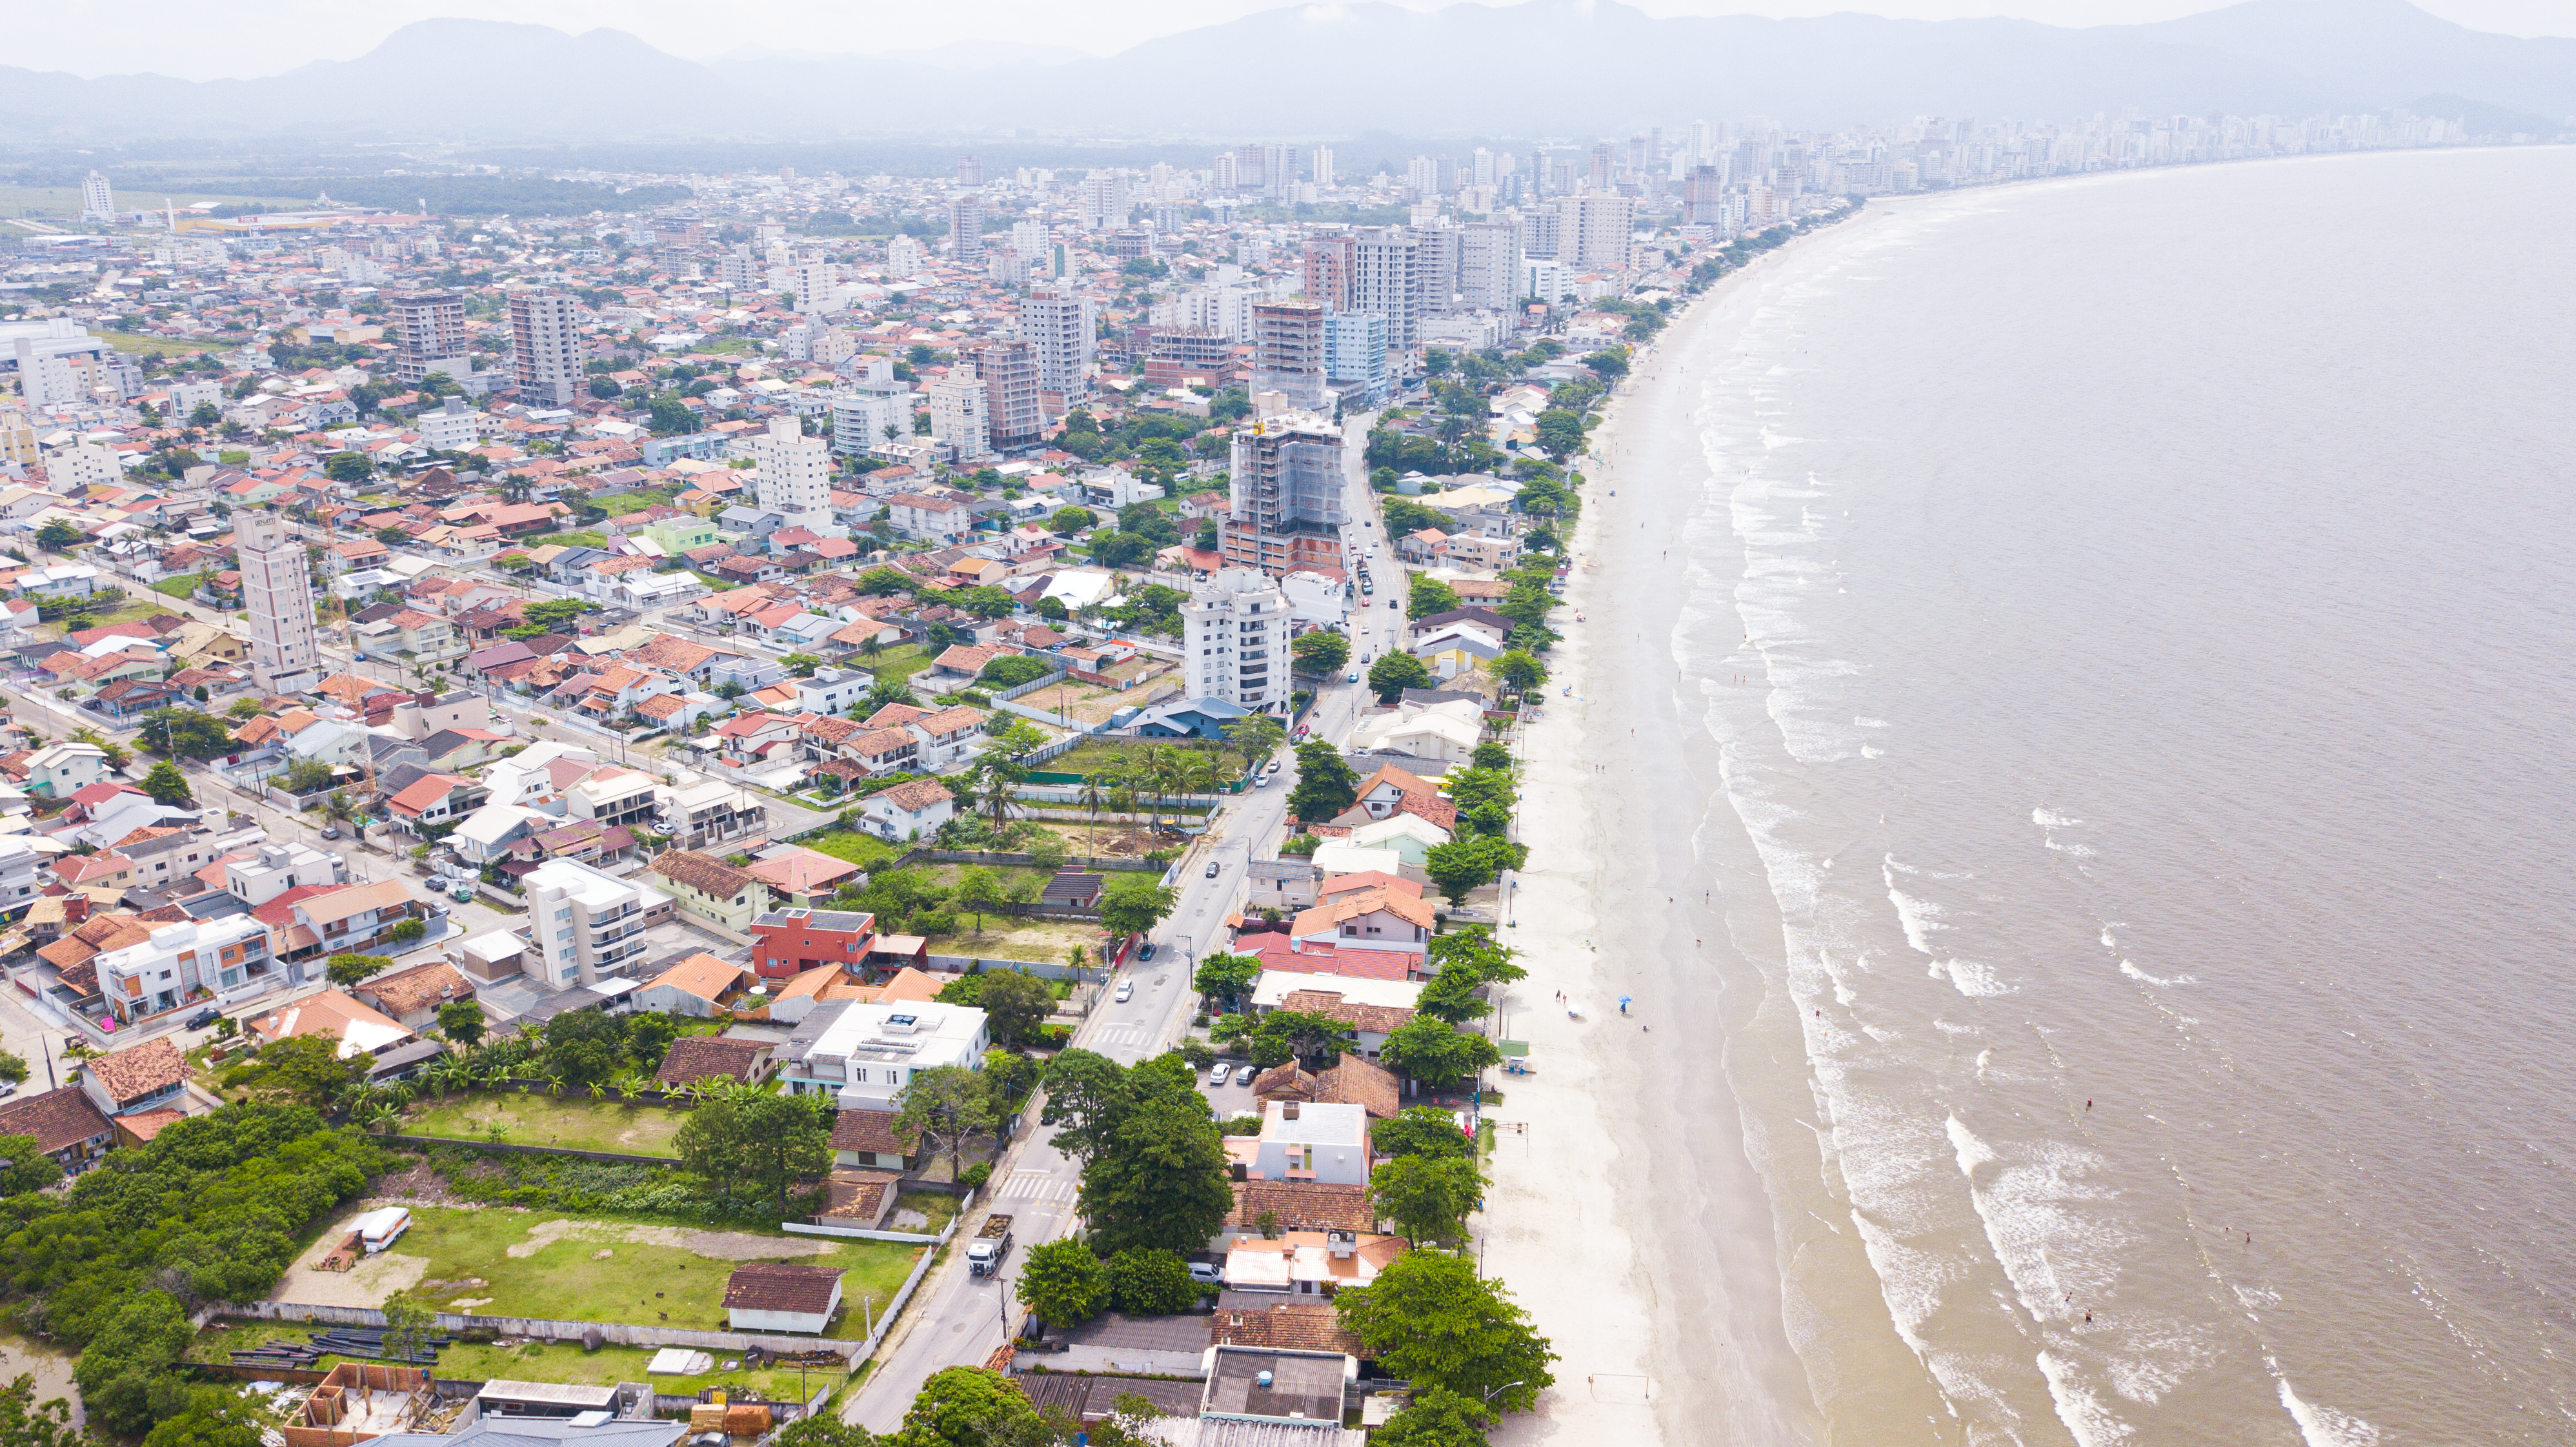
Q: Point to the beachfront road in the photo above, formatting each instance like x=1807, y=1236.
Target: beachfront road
x=959, y=1319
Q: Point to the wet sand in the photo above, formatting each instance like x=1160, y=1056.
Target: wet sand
x=1627, y=1215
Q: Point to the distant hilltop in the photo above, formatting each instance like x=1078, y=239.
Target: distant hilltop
x=1547, y=66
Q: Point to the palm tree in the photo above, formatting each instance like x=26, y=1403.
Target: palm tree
x=1091, y=795
x=1203, y=773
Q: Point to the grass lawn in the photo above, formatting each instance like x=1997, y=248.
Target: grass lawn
x=849, y=845
x=1093, y=754
x=620, y=504
x=540, y=1264
x=898, y=662
x=141, y=343
x=533, y=1362
x=541, y=1120
x=183, y=585
x=579, y=538
x=937, y=1209
x=1043, y=940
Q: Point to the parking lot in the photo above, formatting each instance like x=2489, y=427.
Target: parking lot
x=1229, y=1099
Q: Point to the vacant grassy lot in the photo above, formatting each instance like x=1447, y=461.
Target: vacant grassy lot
x=533, y=1362
x=503, y=1262
x=864, y=850
x=1045, y=940
x=572, y=1122
x=899, y=662
x=1094, y=754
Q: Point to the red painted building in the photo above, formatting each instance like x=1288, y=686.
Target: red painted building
x=788, y=942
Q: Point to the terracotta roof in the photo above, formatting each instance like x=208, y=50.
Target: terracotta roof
x=859, y=1194
x=420, y=988
x=781, y=1286
x=1351, y=1081
x=801, y=871
x=351, y=899
x=1332, y=914
x=1302, y=1206
x=704, y=873
x=138, y=1071
x=702, y=975
x=1306, y=1326
x=703, y=1057
x=1379, y=1019
x=916, y=795
x=58, y=1119
x=871, y=1130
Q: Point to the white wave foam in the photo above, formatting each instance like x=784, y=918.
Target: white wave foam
x=1974, y=980
x=2324, y=1426
x=1867, y=752
x=2143, y=978
x=1971, y=1151
x=2072, y=851
x=1869, y=723
x=1918, y=916
x=2051, y=819
x=2087, y=1420
x=2109, y=943
x=1984, y=1057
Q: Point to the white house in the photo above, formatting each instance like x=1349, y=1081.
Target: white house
x=1309, y=1141
x=869, y=1052
x=908, y=811
x=782, y=1296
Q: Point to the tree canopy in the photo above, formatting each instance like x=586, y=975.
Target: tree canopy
x=1431, y=1319
x=758, y=1145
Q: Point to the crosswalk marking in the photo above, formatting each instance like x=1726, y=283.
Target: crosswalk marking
x=1120, y=1034
x=1036, y=1186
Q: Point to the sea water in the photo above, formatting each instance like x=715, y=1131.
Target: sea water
x=2151, y=717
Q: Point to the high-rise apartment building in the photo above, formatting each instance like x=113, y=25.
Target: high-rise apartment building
x=1321, y=163
x=1104, y=201
x=812, y=284
x=1384, y=262
x=1704, y=197
x=1435, y=269
x=1595, y=230
x=970, y=171
x=905, y=258
x=1011, y=407
x=1423, y=175
x=545, y=347
x=277, y=588
x=1542, y=233
x=1481, y=168
x=966, y=228
x=1057, y=324
x=1355, y=353
x=872, y=409
x=1489, y=266
x=960, y=415
x=1328, y=263
x=98, y=202
x=795, y=475
x=587, y=924
x=1279, y=172
x=432, y=324
x=1234, y=633
x=1288, y=499
x=1288, y=351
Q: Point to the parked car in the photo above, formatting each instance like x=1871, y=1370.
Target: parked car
x=1126, y=991
x=1145, y=951
x=1218, y=1072
x=1243, y=1074
x=1214, y=869
x=331, y=832
x=1206, y=1273
x=1390, y=602
x=204, y=1018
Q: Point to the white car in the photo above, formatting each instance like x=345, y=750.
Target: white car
x=1218, y=1072
x=1126, y=991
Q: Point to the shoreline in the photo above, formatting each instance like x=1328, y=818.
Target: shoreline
x=1629, y=1216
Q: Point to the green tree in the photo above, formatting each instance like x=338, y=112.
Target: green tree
x=186, y=733
x=348, y=467
x=1393, y=673
x=1063, y=1283
x=1609, y=364
x=584, y=1045
x=462, y=1022
x=1162, y=1181
x=1560, y=433
x=764, y=1142
x=1321, y=653
x=1012, y=670
x=58, y=534
x=1457, y=868
x=887, y=692
x=1257, y=736
x=123, y=1370
x=24, y=1166
x=1430, y=1319
x=1424, y=1132
x=304, y=1070
x=1227, y=979
x=1428, y=597
x=23, y=1423
x=1429, y=1050
x=1071, y=520
x=1517, y=668
x=1087, y=1094
x=1015, y=1004
x=407, y=1325
x=801, y=664
x=1435, y=1417
x=649, y=1037
x=1427, y=1199
x=1133, y=904
x=346, y=970
x=1152, y=1283
x=1326, y=782
x=971, y=1407
x=945, y=1105
x=1451, y=996
x=116, y=754
x=1491, y=755
x=13, y=1068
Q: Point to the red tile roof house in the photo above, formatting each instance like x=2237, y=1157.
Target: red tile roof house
x=139, y=1077
x=780, y=1296
x=65, y=1125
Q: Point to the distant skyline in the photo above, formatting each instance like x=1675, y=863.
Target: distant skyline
x=216, y=39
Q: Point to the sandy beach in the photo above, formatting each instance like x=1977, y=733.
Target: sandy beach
x=1628, y=1215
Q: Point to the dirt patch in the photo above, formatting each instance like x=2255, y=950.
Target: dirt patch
x=715, y=1245
x=420, y=1185
x=368, y=1283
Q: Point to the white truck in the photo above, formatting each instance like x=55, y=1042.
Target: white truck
x=993, y=1242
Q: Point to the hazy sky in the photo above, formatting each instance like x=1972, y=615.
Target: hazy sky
x=202, y=39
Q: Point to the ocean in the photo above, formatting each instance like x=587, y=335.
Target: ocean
x=2131, y=616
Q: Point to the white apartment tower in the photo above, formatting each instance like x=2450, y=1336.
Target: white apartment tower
x=1104, y=201
x=1235, y=633
x=98, y=202
x=1323, y=165
x=1057, y=324
x=545, y=347
x=966, y=227
x=285, y=656
x=1490, y=266
x=795, y=475
x=432, y=324
x=961, y=414
x=1384, y=265
x=905, y=258
x=872, y=409
x=1594, y=229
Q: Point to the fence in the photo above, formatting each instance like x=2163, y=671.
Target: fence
x=1032, y=686
x=894, y=1309
x=987, y=856
x=616, y=1332
x=817, y=1228
x=505, y=1148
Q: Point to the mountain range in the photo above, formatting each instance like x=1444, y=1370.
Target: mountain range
x=1572, y=68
